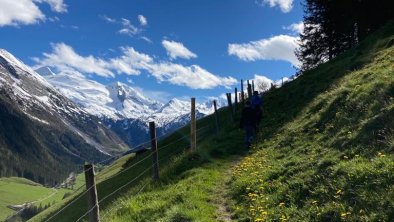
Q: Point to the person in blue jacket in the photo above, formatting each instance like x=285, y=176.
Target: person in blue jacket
x=248, y=121
x=257, y=102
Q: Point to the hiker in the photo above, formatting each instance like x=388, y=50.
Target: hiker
x=248, y=121
x=256, y=105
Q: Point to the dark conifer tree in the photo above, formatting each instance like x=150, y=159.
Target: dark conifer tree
x=333, y=26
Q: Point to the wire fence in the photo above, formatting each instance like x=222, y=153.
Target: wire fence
x=69, y=204
x=113, y=192
x=162, y=146
x=169, y=154
x=147, y=145
x=119, y=203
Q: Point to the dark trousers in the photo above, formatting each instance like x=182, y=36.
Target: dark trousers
x=249, y=133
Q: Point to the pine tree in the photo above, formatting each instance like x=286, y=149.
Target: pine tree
x=333, y=26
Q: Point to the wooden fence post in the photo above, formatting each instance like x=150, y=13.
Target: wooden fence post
x=155, y=156
x=236, y=99
x=242, y=92
x=216, y=116
x=193, y=140
x=230, y=105
x=252, y=87
x=249, y=90
x=92, y=193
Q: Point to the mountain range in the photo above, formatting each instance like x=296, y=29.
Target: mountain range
x=123, y=108
x=51, y=123
x=43, y=134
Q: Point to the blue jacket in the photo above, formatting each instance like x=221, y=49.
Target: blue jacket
x=256, y=101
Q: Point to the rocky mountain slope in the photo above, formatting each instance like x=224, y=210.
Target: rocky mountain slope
x=43, y=134
x=123, y=108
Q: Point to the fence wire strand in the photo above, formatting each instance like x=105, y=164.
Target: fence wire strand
x=129, y=167
x=118, y=206
x=73, y=201
x=115, y=191
x=161, y=148
x=140, y=175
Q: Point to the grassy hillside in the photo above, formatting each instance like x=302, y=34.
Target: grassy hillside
x=14, y=191
x=179, y=168
x=326, y=147
x=324, y=153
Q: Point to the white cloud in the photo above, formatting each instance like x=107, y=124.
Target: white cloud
x=296, y=27
x=177, y=49
x=262, y=83
x=132, y=62
x=146, y=39
x=24, y=12
x=282, y=81
x=279, y=47
x=108, y=19
x=54, y=19
x=143, y=20
x=285, y=5
x=128, y=28
x=156, y=95
x=56, y=5
x=129, y=80
x=64, y=57
x=193, y=76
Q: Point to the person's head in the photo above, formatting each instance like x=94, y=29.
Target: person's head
x=247, y=103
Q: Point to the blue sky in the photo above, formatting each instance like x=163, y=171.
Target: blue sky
x=169, y=48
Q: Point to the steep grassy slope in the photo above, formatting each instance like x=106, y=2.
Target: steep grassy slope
x=184, y=177
x=326, y=148
x=324, y=153
x=193, y=186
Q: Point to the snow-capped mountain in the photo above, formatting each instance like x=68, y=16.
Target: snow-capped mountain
x=115, y=101
x=123, y=108
x=40, y=125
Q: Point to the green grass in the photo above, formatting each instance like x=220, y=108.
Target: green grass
x=326, y=148
x=177, y=166
x=324, y=153
x=189, y=197
x=14, y=191
x=190, y=183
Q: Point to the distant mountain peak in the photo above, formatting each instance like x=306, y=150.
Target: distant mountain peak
x=55, y=130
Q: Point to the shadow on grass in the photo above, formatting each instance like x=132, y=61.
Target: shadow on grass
x=284, y=104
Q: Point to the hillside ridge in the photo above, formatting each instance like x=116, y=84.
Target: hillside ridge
x=324, y=153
